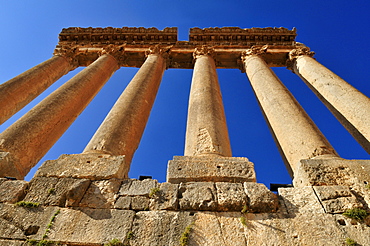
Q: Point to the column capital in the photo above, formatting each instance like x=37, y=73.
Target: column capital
x=300, y=51
x=158, y=50
x=117, y=51
x=69, y=52
x=203, y=50
x=254, y=51
x=297, y=52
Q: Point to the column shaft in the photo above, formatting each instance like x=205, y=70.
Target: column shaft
x=206, y=131
x=122, y=129
x=351, y=107
x=295, y=133
x=28, y=139
x=19, y=91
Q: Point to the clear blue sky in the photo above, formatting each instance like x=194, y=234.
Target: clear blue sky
x=337, y=31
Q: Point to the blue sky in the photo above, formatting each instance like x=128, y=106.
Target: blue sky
x=338, y=33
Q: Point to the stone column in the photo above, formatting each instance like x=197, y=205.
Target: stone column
x=206, y=132
x=350, y=107
x=19, y=91
x=25, y=142
x=207, y=155
x=295, y=133
x=122, y=129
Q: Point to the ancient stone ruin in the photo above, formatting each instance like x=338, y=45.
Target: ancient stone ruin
x=210, y=197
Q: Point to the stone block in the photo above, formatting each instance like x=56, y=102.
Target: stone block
x=214, y=169
x=260, y=199
x=19, y=222
x=139, y=203
x=154, y=228
x=217, y=229
x=166, y=197
x=85, y=166
x=12, y=191
x=300, y=200
x=123, y=202
x=53, y=191
x=86, y=226
x=230, y=196
x=12, y=243
x=337, y=199
x=101, y=194
x=197, y=196
x=132, y=187
x=332, y=171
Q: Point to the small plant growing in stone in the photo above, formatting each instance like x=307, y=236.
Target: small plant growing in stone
x=243, y=220
x=351, y=242
x=184, y=239
x=27, y=204
x=153, y=192
x=129, y=235
x=356, y=213
x=51, y=191
x=244, y=210
x=114, y=242
x=44, y=243
x=367, y=186
x=31, y=241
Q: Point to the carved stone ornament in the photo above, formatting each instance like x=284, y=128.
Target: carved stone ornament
x=203, y=50
x=117, y=51
x=254, y=51
x=300, y=51
x=158, y=50
x=68, y=52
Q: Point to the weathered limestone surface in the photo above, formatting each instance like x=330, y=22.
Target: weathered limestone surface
x=337, y=199
x=159, y=227
x=332, y=171
x=210, y=168
x=92, y=166
x=12, y=191
x=300, y=200
x=198, y=196
x=260, y=199
x=166, y=198
x=101, y=194
x=19, y=222
x=230, y=196
x=53, y=191
x=89, y=226
x=306, y=215
x=296, y=134
x=351, y=107
x=217, y=229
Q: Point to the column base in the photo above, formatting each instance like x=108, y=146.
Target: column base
x=93, y=166
x=332, y=171
x=210, y=168
x=8, y=166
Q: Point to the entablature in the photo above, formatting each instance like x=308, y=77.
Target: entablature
x=228, y=44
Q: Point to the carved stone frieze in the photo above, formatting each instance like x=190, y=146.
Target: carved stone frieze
x=247, y=36
x=203, y=50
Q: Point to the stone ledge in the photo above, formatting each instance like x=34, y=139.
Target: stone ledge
x=210, y=169
x=85, y=166
x=332, y=171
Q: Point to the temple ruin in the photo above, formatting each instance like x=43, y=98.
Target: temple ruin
x=211, y=197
